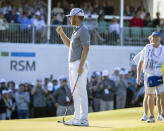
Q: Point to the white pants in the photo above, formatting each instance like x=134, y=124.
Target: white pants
x=80, y=96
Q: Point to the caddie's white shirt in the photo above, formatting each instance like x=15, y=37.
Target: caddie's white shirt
x=153, y=59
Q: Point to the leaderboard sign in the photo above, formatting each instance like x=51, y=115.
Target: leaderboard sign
x=20, y=61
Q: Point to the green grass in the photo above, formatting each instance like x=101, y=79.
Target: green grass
x=117, y=120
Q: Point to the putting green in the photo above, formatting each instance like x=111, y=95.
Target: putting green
x=120, y=120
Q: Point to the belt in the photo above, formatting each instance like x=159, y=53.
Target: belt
x=74, y=61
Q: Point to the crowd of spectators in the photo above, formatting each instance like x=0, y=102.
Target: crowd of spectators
x=106, y=91
x=34, y=14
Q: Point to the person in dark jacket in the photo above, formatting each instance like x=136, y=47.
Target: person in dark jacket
x=107, y=88
x=4, y=105
x=62, y=97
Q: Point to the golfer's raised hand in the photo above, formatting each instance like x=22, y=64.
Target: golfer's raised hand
x=59, y=29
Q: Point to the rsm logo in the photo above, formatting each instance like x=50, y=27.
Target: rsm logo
x=22, y=65
x=21, y=61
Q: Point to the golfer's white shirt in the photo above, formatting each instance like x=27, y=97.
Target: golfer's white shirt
x=153, y=59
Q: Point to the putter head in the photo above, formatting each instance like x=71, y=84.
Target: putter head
x=63, y=121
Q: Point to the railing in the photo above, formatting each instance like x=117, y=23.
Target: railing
x=16, y=33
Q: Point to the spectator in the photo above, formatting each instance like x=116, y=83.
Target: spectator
x=107, y=88
x=95, y=80
x=114, y=30
x=2, y=85
x=97, y=8
x=50, y=104
x=138, y=100
x=25, y=28
x=11, y=112
x=46, y=80
x=28, y=9
x=25, y=22
x=29, y=13
x=22, y=101
x=132, y=10
x=6, y=7
x=55, y=85
x=59, y=12
x=4, y=105
x=90, y=98
x=62, y=97
x=131, y=90
x=39, y=27
x=133, y=69
x=108, y=8
x=39, y=100
x=3, y=23
x=114, y=27
x=92, y=26
x=13, y=104
x=156, y=22
x=54, y=20
x=136, y=21
x=115, y=76
x=147, y=20
x=12, y=16
x=40, y=6
x=143, y=12
x=86, y=8
x=101, y=24
x=11, y=85
x=127, y=11
x=121, y=91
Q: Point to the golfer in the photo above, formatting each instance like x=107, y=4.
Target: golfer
x=151, y=61
x=78, y=51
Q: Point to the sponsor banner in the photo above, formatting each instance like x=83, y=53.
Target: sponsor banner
x=27, y=62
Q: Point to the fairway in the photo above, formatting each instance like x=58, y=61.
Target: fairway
x=120, y=120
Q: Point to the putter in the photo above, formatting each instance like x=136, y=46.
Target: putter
x=63, y=121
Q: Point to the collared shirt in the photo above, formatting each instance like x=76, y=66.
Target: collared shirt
x=153, y=59
x=80, y=38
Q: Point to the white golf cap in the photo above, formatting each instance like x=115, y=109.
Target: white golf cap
x=105, y=73
x=76, y=11
x=2, y=80
x=4, y=92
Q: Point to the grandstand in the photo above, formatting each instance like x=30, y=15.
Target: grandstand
x=10, y=26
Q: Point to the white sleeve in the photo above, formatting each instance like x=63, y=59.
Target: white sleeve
x=137, y=58
x=142, y=55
